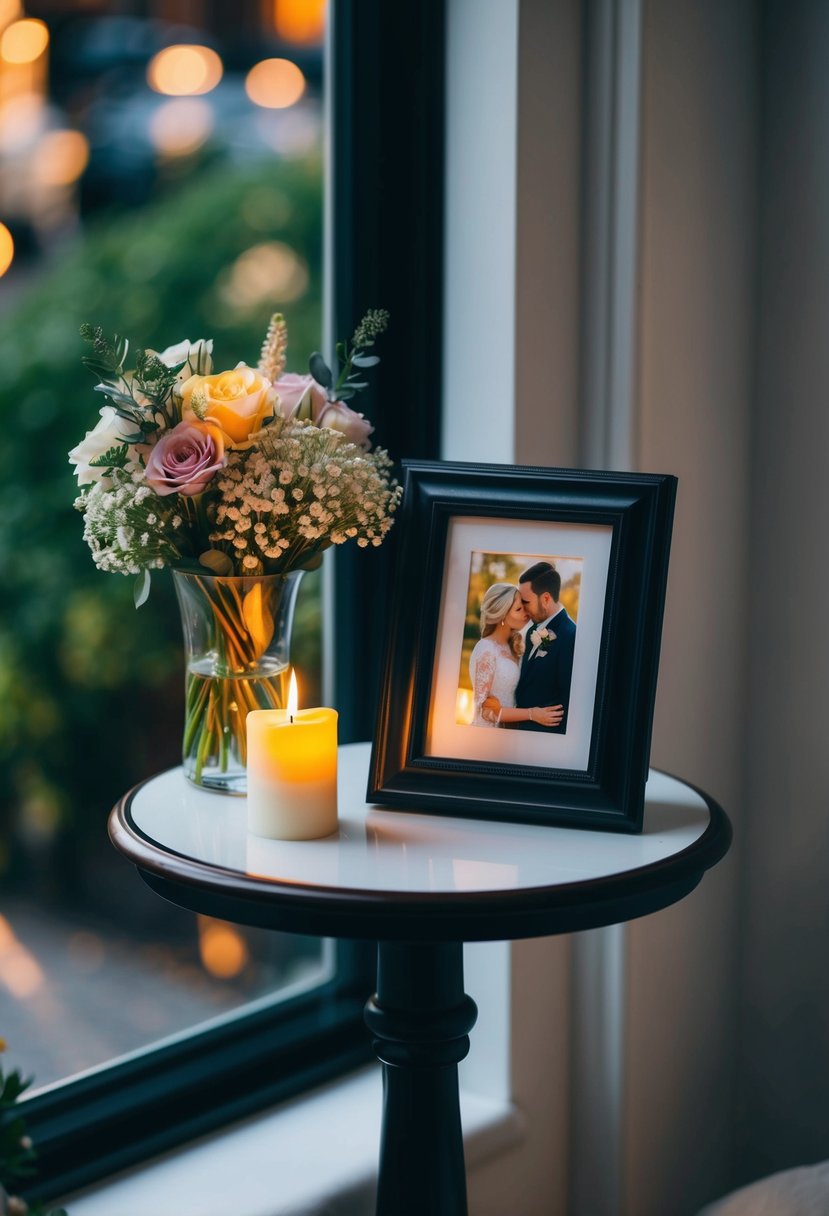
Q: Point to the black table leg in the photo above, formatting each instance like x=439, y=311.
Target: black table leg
x=420, y=1020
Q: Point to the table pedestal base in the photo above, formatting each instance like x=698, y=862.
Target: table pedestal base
x=420, y=1020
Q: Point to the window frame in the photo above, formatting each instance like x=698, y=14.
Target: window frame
x=385, y=73
x=155, y=1099
x=387, y=225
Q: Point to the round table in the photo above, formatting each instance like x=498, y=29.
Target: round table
x=420, y=885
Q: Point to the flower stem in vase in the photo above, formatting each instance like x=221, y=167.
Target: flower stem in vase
x=237, y=632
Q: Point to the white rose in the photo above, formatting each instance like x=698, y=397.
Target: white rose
x=104, y=436
x=535, y=637
x=197, y=357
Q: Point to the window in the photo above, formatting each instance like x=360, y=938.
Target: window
x=156, y=221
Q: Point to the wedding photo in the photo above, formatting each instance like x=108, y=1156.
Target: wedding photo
x=518, y=644
x=535, y=621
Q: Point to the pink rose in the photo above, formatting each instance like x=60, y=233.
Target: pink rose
x=185, y=459
x=338, y=417
x=300, y=396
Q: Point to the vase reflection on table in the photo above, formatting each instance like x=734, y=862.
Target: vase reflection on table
x=237, y=638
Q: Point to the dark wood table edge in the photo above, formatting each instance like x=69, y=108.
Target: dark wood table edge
x=321, y=910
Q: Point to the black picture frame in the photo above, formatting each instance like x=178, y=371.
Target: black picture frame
x=632, y=514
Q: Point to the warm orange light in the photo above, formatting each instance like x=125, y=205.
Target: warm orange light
x=61, y=157
x=23, y=976
x=6, y=249
x=275, y=84
x=24, y=41
x=182, y=71
x=20, y=971
x=181, y=126
x=293, y=695
x=268, y=272
x=223, y=950
x=464, y=707
x=9, y=10
x=300, y=21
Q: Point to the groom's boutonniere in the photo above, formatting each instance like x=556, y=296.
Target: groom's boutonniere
x=542, y=640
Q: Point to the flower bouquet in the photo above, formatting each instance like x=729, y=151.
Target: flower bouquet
x=237, y=480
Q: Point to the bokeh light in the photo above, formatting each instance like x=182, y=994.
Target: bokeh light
x=183, y=71
x=22, y=122
x=269, y=273
x=6, y=249
x=24, y=41
x=292, y=132
x=181, y=126
x=9, y=10
x=86, y=951
x=300, y=21
x=61, y=158
x=222, y=948
x=275, y=83
x=19, y=970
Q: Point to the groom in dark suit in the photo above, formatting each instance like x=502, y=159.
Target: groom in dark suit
x=547, y=662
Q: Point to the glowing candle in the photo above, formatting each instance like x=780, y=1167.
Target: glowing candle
x=292, y=771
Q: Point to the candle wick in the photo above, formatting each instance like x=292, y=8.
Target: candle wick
x=292, y=719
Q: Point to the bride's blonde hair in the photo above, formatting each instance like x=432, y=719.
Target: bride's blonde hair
x=498, y=600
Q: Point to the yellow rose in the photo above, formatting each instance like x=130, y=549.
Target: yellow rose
x=238, y=402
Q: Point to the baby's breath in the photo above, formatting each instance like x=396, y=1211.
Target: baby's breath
x=299, y=490
x=127, y=526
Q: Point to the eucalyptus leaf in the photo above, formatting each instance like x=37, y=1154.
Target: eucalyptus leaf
x=352, y=383
x=100, y=369
x=141, y=590
x=187, y=566
x=320, y=370
x=115, y=394
x=366, y=360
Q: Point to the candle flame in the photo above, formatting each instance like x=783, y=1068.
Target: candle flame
x=293, y=696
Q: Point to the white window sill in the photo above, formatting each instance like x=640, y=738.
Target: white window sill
x=313, y=1156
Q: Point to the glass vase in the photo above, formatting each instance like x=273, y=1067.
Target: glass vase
x=237, y=637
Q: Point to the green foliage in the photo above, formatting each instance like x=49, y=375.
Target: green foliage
x=113, y=458
x=90, y=690
x=17, y=1155
x=350, y=355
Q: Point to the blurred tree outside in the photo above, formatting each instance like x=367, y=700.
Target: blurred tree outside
x=90, y=688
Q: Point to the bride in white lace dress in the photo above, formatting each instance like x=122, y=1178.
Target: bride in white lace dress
x=495, y=662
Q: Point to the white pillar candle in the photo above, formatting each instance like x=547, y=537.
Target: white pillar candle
x=292, y=773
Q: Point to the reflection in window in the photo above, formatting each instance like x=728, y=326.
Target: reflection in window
x=160, y=175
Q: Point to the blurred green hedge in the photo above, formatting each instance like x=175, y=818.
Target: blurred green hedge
x=90, y=688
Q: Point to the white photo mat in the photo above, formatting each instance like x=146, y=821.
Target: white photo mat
x=591, y=543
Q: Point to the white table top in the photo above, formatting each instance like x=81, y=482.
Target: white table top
x=379, y=850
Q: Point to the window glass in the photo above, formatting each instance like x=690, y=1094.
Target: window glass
x=160, y=175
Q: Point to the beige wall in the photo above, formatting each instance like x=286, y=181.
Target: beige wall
x=784, y=1009
x=695, y=381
